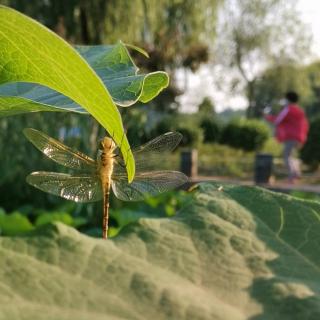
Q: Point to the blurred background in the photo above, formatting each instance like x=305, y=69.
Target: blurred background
x=227, y=61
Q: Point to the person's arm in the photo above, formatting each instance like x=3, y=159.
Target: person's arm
x=270, y=117
x=278, y=118
x=281, y=116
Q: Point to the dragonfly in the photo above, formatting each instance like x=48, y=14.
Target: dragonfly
x=92, y=180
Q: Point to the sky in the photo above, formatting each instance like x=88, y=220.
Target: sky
x=201, y=84
x=310, y=13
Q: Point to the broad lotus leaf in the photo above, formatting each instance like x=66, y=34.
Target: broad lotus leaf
x=233, y=253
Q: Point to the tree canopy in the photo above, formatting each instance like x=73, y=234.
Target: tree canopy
x=256, y=35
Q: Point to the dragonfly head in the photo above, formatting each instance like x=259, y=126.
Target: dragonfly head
x=106, y=144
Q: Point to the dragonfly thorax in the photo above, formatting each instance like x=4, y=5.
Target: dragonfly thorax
x=105, y=156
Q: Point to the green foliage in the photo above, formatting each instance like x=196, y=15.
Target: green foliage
x=249, y=135
x=14, y=224
x=180, y=29
x=136, y=123
x=26, y=219
x=206, y=108
x=211, y=130
x=153, y=23
x=19, y=158
x=186, y=124
x=273, y=147
x=164, y=125
x=164, y=205
x=263, y=245
x=229, y=114
x=192, y=136
x=224, y=161
x=174, y=33
x=313, y=72
x=310, y=152
x=56, y=216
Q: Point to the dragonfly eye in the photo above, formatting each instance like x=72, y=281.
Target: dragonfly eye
x=106, y=144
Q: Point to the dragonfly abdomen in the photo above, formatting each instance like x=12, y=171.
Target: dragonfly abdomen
x=106, y=169
x=105, y=176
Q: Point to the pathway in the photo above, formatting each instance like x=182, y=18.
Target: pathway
x=280, y=185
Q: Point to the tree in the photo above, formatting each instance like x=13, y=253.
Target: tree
x=313, y=72
x=275, y=81
x=271, y=86
x=257, y=34
x=175, y=33
x=180, y=34
x=206, y=107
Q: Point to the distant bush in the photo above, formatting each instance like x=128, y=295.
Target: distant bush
x=192, y=136
x=164, y=125
x=192, y=133
x=206, y=107
x=248, y=135
x=136, y=123
x=211, y=130
x=221, y=160
x=310, y=153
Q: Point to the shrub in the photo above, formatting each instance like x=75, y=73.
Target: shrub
x=211, y=130
x=310, y=153
x=136, y=124
x=206, y=107
x=192, y=136
x=248, y=135
x=164, y=125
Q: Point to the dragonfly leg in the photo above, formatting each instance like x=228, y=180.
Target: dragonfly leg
x=121, y=164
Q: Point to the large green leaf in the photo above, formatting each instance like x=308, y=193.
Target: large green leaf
x=114, y=66
x=234, y=253
x=32, y=53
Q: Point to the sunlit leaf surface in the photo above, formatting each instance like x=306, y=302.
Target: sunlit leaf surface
x=114, y=66
x=235, y=253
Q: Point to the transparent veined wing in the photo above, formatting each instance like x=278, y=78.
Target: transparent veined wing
x=58, y=152
x=147, y=184
x=79, y=188
x=163, y=143
x=151, y=155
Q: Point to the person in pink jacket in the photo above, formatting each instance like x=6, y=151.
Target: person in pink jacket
x=291, y=129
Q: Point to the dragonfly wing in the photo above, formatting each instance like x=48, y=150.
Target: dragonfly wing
x=163, y=143
x=147, y=184
x=78, y=188
x=58, y=152
x=151, y=155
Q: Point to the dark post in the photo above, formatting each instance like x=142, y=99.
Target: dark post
x=263, y=168
x=189, y=162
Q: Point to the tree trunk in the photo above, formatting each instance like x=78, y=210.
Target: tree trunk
x=252, y=111
x=146, y=35
x=84, y=34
